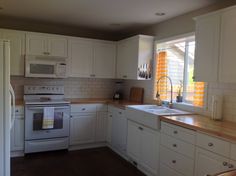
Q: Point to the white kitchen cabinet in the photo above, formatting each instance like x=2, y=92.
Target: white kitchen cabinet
x=104, y=59
x=17, y=44
x=101, y=127
x=207, y=48
x=143, y=147
x=109, y=127
x=209, y=163
x=227, y=71
x=118, y=130
x=46, y=45
x=81, y=57
x=17, y=131
x=132, y=54
x=82, y=128
x=166, y=171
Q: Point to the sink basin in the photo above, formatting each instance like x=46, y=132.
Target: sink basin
x=159, y=110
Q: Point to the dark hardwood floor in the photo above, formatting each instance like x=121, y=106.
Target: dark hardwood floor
x=89, y=162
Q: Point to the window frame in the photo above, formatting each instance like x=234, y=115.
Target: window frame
x=185, y=103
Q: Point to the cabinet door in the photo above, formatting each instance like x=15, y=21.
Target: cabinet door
x=36, y=44
x=17, y=134
x=228, y=48
x=82, y=128
x=104, y=60
x=133, y=140
x=150, y=149
x=127, y=59
x=81, y=58
x=209, y=163
x=17, y=44
x=109, y=127
x=207, y=48
x=101, y=127
x=57, y=46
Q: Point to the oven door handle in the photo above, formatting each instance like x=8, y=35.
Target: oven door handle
x=41, y=107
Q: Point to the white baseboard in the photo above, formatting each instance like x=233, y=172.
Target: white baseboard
x=87, y=146
x=19, y=153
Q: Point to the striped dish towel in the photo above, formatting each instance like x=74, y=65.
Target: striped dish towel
x=48, y=118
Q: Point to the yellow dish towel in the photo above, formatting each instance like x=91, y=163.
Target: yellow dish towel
x=48, y=118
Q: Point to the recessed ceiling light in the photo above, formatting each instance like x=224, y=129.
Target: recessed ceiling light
x=159, y=13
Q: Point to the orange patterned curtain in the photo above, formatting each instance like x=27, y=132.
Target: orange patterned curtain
x=162, y=70
x=198, y=98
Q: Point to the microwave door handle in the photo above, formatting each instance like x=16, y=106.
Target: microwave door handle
x=12, y=111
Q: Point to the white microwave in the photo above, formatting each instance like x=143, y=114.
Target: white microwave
x=45, y=67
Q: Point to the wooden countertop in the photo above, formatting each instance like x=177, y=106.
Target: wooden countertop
x=223, y=129
x=229, y=173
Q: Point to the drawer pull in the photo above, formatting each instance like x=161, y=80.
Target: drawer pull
x=175, y=132
x=230, y=166
x=17, y=110
x=83, y=109
x=173, y=161
x=174, y=145
x=120, y=112
x=110, y=116
x=140, y=128
x=210, y=144
x=225, y=163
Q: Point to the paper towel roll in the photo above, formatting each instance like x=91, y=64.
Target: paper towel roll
x=217, y=102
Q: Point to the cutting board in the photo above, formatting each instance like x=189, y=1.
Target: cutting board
x=136, y=94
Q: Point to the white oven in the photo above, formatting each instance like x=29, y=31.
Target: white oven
x=45, y=67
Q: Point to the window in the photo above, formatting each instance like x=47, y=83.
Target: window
x=176, y=60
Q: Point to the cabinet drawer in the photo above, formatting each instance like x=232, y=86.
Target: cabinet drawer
x=176, y=161
x=178, y=132
x=166, y=171
x=19, y=110
x=83, y=108
x=178, y=145
x=233, y=152
x=213, y=144
x=102, y=108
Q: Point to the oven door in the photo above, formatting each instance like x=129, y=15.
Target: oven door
x=34, y=121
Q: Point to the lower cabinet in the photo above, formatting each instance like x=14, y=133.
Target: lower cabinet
x=17, y=134
x=119, y=130
x=82, y=128
x=210, y=163
x=101, y=127
x=166, y=171
x=143, y=147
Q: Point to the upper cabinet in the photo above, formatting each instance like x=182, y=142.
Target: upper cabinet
x=207, y=48
x=215, y=49
x=17, y=44
x=46, y=45
x=134, y=57
x=92, y=58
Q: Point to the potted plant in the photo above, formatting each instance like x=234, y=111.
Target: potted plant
x=179, y=97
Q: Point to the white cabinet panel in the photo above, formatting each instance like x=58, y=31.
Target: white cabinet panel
x=227, y=72
x=36, y=44
x=82, y=128
x=207, y=48
x=109, y=127
x=81, y=58
x=104, y=60
x=150, y=150
x=101, y=126
x=166, y=171
x=133, y=141
x=57, y=46
x=17, y=134
x=17, y=44
x=209, y=163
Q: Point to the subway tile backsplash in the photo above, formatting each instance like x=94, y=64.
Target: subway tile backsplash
x=74, y=87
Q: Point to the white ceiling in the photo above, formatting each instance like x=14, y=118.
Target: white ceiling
x=99, y=14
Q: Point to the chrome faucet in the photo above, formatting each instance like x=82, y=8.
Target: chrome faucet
x=171, y=90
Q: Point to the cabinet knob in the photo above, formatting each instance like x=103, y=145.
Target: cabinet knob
x=110, y=116
x=210, y=144
x=225, y=163
x=46, y=53
x=120, y=112
x=140, y=128
x=173, y=161
x=174, y=145
x=83, y=109
x=125, y=76
x=175, y=132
